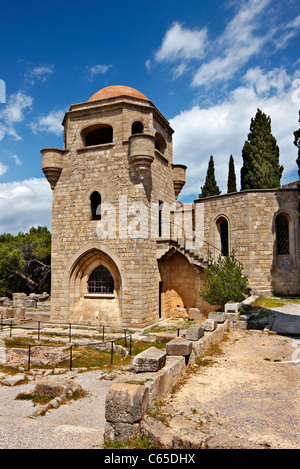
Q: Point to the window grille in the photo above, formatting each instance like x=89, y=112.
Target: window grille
x=282, y=235
x=101, y=281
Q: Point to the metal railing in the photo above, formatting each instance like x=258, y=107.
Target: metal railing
x=126, y=337
x=210, y=249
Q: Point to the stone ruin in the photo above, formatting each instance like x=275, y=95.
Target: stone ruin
x=20, y=303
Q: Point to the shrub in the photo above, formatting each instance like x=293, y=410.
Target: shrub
x=224, y=281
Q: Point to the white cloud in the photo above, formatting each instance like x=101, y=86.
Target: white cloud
x=13, y=113
x=24, y=204
x=263, y=83
x=50, y=123
x=182, y=43
x=40, y=73
x=221, y=129
x=248, y=34
x=236, y=45
x=148, y=64
x=3, y=169
x=98, y=70
x=290, y=30
x=18, y=162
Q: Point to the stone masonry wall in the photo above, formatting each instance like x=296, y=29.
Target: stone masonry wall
x=251, y=222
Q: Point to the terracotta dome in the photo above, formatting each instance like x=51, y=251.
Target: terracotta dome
x=117, y=90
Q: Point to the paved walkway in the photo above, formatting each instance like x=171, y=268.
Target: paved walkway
x=287, y=319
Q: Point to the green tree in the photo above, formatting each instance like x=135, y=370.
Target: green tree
x=25, y=262
x=231, y=183
x=261, y=168
x=210, y=187
x=297, y=143
x=224, y=281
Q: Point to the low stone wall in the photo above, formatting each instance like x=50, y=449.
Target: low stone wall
x=127, y=401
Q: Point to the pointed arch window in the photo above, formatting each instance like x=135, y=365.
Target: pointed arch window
x=223, y=232
x=101, y=281
x=224, y=237
x=96, y=206
x=282, y=235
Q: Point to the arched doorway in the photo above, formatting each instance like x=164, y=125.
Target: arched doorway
x=95, y=290
x=179, y=285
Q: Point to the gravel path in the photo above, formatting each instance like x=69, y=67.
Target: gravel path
x=251, y=391
x=74, y=425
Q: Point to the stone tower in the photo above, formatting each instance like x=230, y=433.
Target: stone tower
x=109, y=182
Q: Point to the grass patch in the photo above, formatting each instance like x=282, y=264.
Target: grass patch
x=156, y=412
x=35, y=398
x=137, y=443
x=24, y=342
x=44, y=399
x=274, y=302
x=90, y=357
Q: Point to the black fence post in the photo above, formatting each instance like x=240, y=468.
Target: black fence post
x=130, y=347
x=125, y=338
x=10, y=329
x=70, y=332
x=112, y=352
x=71, y=357
x=29, y=357
x=102, y=333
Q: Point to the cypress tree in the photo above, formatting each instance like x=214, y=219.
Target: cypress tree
x=210, y=187
x=297, y=143
x=231, y=183
x=261, y=168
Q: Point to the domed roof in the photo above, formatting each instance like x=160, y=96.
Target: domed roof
x=116, y=90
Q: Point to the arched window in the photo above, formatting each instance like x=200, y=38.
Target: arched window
x=137, y=128
x=96, y=206
x=224, y=237
x=222, y=225
x=282, y=235
x=160, y=143
x=98, y=136
x=101, y=281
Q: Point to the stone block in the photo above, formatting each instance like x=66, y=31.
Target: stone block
x=195, y=313
x=210, y=325
x=232, y=307
x=126, y=403
x=179, y=346
x=18, y=299
x=233, y=317
x=218, y=317
x=151, y=359
x=54, y=386
x=30, y=303
x=194, y=333
x=3, y=312
x=20, y=313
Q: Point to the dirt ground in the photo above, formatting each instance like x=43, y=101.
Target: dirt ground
x=251, y=391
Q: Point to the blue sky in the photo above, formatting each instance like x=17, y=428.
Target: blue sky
x=207, y=66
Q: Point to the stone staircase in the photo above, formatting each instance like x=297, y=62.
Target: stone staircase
x=167, y=247
x=260, y=290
